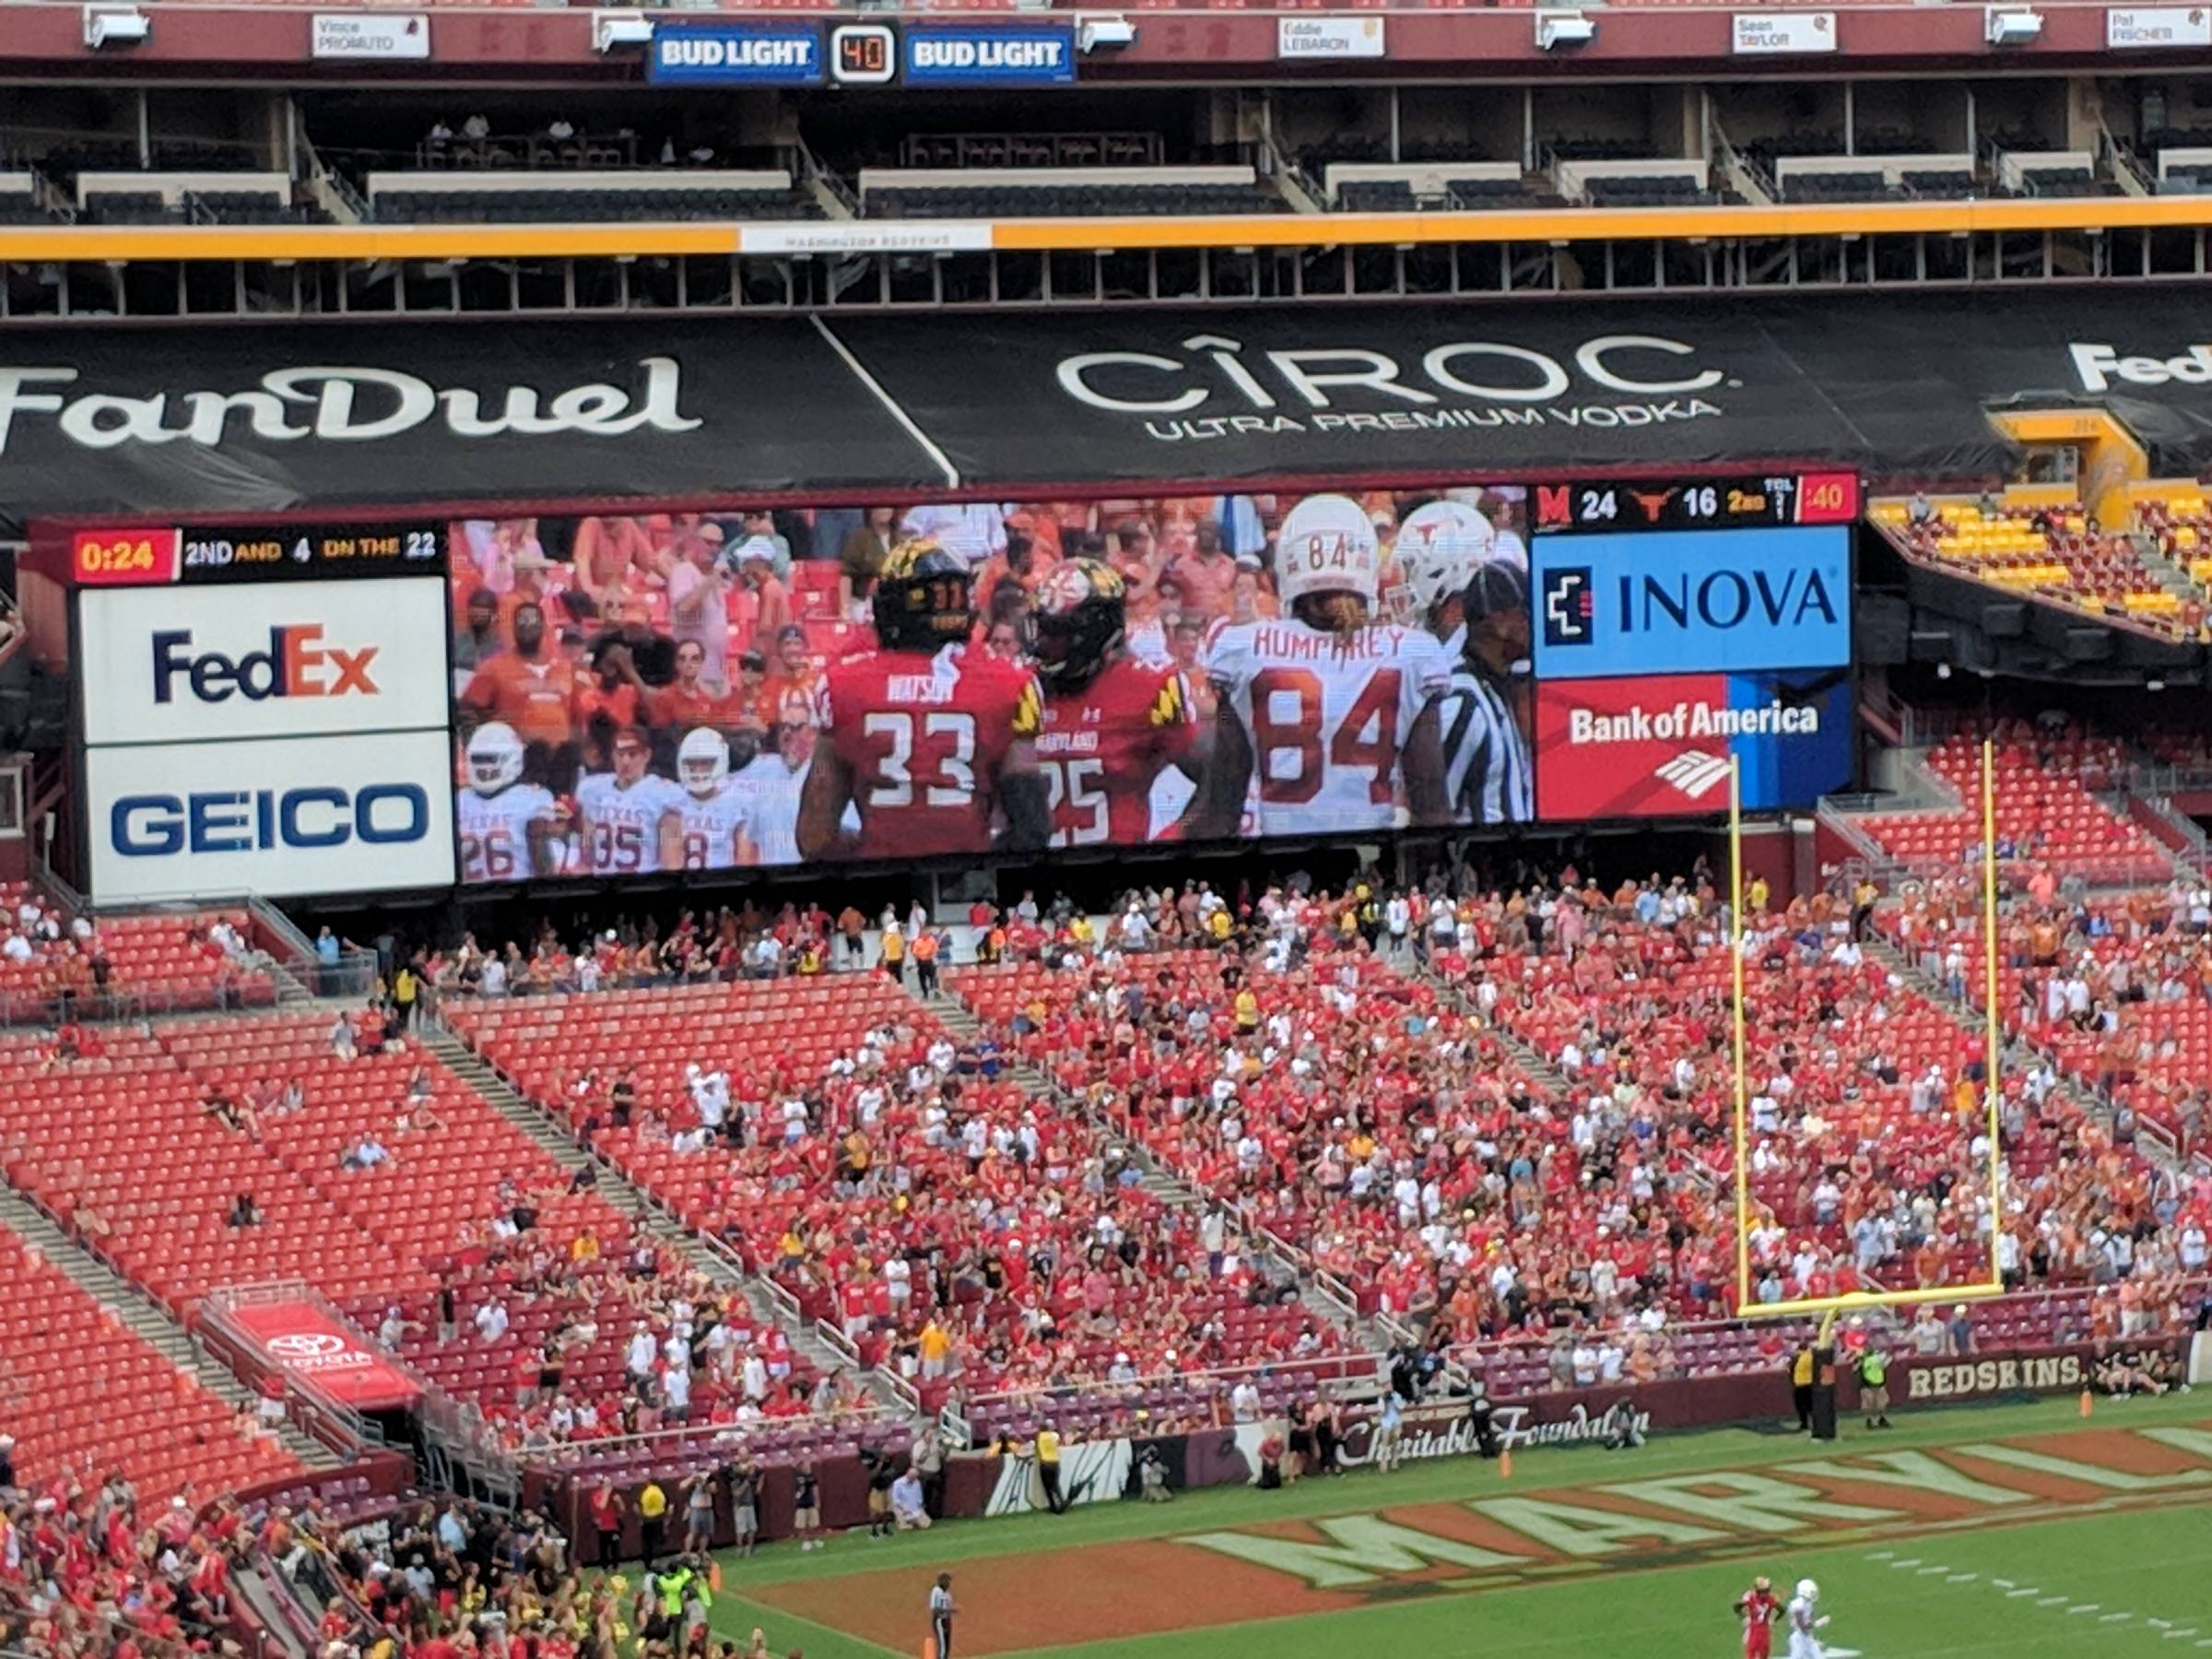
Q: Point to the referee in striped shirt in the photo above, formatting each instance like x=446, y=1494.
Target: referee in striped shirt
x=941, y=1610
x=1486, y=750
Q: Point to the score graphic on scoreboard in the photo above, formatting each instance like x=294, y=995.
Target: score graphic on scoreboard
x=169, y=555
x=1677, y=626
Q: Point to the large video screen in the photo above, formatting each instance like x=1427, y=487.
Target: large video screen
x=753, y=687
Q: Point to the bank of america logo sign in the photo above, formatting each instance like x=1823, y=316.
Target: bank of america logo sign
x=1696, y=773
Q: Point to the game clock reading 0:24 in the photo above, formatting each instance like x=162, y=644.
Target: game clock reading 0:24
x=1616, y=505
x=152, y=558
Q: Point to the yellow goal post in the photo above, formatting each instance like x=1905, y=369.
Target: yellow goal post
x=1991, y=1091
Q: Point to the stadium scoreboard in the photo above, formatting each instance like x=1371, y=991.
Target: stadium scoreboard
x=1613, y=506
x=196, y=555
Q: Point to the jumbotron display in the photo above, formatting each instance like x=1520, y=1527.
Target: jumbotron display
x=647, y=694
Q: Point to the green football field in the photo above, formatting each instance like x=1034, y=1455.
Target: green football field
x=2015, y=1529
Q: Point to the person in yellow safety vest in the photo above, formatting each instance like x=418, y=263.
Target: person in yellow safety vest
x=1801, y=1387
x=1874, y=1388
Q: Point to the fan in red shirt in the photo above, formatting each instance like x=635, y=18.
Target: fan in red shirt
x=925, y=739
x=1112, y=724
x=1758, y=1607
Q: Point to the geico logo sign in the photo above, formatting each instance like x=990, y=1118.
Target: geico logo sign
x=314, y=818
x=297, y=664
x=1150, y=383
x=342, y=405
x=2097, y=366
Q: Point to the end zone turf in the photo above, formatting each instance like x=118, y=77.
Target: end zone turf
x=2113, y=1518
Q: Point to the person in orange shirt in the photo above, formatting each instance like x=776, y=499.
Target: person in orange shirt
x=531, y=690
x=1006, y=581
x=1206, y=574
x=771, y=599
x=792, y=675
x=687, y=700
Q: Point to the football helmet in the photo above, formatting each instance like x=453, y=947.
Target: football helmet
x=1081, y=619
x=702, y=761
x=495, y=758
x=922, y=598
x=1807, y=1590
x=1326, y=544
x=1439, y=548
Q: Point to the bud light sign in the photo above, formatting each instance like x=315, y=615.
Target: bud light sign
x=1691, y=601
x=736, y=54
x=988, y=56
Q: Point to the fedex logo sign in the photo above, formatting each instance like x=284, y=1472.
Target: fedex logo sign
x=297, y=664
x=293, y=659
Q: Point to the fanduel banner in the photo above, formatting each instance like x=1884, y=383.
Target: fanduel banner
x=280, y=816
x=1660, y=748
x=1691, y=601
x=296, y=658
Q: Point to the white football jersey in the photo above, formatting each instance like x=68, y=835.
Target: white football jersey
x=1326, y=715
x=710, y=825
x=625, y=824
x=495, y=832
x=768, y=791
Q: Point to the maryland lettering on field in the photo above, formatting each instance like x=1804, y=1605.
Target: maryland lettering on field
x=1711, y=1515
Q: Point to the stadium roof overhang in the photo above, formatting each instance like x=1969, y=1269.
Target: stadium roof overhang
x=161, y=422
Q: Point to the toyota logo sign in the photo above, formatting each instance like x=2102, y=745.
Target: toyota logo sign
x=309, y=1345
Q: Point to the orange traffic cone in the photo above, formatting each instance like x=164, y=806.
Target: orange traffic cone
x=1505, y=1465
x=2086, y=1404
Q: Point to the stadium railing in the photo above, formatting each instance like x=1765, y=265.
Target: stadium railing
x=694, y=1442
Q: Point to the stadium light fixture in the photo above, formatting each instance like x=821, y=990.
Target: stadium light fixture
x=115, y=26
x=1101, y=31
x=2011, y=25
x=1557, y=29
x=614, y=31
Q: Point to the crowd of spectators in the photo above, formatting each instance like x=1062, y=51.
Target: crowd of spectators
x=89, y=1570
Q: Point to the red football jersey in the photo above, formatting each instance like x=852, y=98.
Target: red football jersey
x=1104, y=744
x=924, y=737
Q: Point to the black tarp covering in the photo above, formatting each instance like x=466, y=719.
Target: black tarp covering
x=1895, y=384
x=186, y=420
x=658, y=409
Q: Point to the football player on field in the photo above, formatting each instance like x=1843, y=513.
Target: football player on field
x=713, y=813
x=1112, y=724
x=506, y=824
x=629, y=822
x=1329, y=711
x=925, y=736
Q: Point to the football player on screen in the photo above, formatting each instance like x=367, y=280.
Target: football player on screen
x=1438, y=547
x=1112, y=725
x=713, y=812
x=1330, y=712
x=927, y=736
x=506, y=824
x=629, y=822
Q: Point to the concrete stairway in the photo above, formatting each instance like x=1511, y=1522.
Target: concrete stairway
x=710, y=1257
x=958, y=1018
x=145, y=1317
